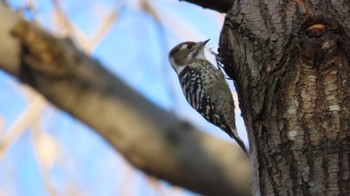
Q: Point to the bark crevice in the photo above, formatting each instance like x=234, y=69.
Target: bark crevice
x=291, y=71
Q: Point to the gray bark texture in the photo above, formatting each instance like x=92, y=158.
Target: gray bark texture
x=290, y=64
x=150, y=138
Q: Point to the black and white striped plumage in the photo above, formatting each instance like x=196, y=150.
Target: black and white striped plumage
x=204, y=86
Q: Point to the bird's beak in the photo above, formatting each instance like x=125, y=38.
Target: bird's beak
x=202, y=44
x=205, y=42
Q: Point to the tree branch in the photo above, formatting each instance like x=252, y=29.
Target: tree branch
x=152, y=139
x=222, y=6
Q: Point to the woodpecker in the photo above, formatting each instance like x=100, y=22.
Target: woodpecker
x=204, y=86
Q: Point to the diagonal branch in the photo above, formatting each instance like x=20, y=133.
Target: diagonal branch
x=218, y=5
x=152, y=139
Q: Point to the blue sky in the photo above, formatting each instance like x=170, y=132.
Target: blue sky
x=135, y=49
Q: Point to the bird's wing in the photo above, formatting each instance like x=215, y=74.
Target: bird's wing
x=198, y=96
x=209, y=94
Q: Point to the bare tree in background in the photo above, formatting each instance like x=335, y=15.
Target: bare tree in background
x=289, y=61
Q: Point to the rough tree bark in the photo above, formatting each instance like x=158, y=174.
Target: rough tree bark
x=290, y=63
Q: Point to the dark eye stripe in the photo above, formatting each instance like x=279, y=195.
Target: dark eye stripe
x=174, y=50
x=189, y=45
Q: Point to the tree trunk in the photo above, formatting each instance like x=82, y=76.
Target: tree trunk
x=290, y=64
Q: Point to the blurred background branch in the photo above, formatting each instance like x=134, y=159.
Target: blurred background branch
x=131, y=38
x=151, y=138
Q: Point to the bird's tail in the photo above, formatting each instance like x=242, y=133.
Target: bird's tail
x=239, y=141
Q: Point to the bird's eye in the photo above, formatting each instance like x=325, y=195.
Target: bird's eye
x=189, y=46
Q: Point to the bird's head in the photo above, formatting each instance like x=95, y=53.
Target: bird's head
x=184, y=53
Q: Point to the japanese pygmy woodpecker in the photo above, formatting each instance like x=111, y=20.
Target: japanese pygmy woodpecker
x=204, y=86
